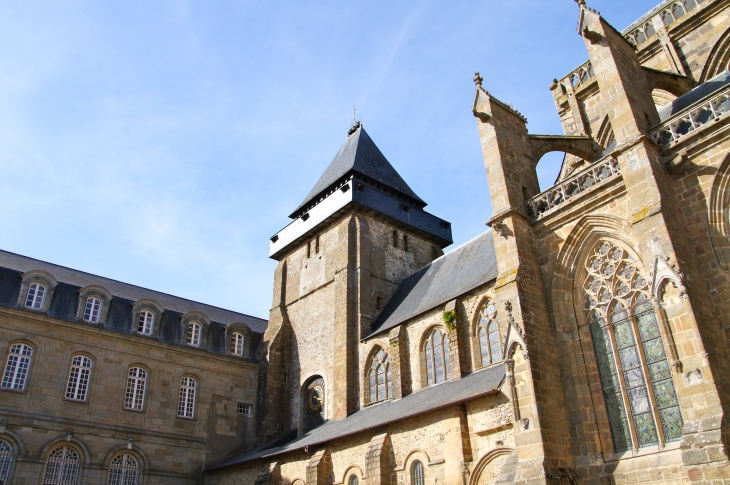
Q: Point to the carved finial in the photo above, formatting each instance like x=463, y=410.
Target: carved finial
x=478, y=80
x=581, y=3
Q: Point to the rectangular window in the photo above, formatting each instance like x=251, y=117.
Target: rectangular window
x=193, y=337
x=144, y=325
x=186, y=404
x=136, y=382
x=16, y=370
x=93, y=308
x=244, y=409
x=78, y=378
x=35, y=296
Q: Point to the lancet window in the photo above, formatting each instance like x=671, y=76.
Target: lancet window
x=488, y=332
x=635, y=375
x=438, y=360
x=379, y=377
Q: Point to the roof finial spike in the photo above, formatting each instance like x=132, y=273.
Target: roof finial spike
x=581, y=3
x=356, y=124
x=478, y=80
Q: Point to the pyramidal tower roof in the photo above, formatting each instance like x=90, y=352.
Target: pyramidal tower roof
x=360, y=178
x=359, y=154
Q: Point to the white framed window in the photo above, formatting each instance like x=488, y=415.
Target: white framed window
x=92, y=310
x=145, y=322
x=244, y=408
x=36, y=293
x=186, y=404
x=136, y=384
x=237, y=341
x=16, y=369
x=78, y=378
x=124, y=470
x=62, y=467
x=6, y=460
x=193, y=335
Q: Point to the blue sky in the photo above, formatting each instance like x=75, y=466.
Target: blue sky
x=163, y=143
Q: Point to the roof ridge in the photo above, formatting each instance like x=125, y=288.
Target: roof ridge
x=128, y=284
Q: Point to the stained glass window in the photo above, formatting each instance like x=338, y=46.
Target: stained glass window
x=632, y=365
x=438, y=358
x=380, y=379
x=490, y=346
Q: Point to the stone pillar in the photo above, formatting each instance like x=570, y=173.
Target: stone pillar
x=454, y=347
x=319, y=468
x=274, y=356
x=378, y=461
x=508, y=159
x=660, y=232
x=399, y=362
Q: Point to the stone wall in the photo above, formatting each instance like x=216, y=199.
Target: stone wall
x=170, y=449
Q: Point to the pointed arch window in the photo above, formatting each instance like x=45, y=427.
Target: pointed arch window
x=379, y=377
x=16, y=369
x=635, y=375
x=62, y=467
x=490, y=345
x=36, y=292
x=6, y=460
x=438, y=358
x=124, y=470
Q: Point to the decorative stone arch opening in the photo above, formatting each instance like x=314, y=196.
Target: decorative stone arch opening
x=489, y=466
x=314, y=402
x=17, y=452
x=719, y=59
x=719, y=214
x=377, y=376
x=51, y=447
x=187, y=323
x=406, y=470
x=352, y=470
x=624, y=337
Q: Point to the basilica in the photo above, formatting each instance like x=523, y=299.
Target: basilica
x=582, y=339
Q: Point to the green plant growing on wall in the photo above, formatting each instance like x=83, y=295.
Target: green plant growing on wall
x=450, y=319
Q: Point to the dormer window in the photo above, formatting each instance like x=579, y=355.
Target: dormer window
x=93, y=310
x=94, y=302
x=145, y=322
x=193, y=335
x=36, y=292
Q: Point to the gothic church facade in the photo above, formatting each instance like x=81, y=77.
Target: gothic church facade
x=584, y=338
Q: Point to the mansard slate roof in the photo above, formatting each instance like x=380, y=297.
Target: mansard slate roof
x=697, y=94
x=463, y=269
x=65, y=300
x=474, y=385
x=359, y=154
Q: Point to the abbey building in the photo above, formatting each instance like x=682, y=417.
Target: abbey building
x=584, y=338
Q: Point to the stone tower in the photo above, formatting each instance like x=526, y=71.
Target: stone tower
x=356, y=235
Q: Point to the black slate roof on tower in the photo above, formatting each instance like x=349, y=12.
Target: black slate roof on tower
x=359, y=154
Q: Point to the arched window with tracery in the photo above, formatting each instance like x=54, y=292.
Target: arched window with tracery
x=6, y=461
x=490, y=345
x=379, y=377
x=62, y=467
x=438, y=358
x=124, y=470
x=635, y=375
